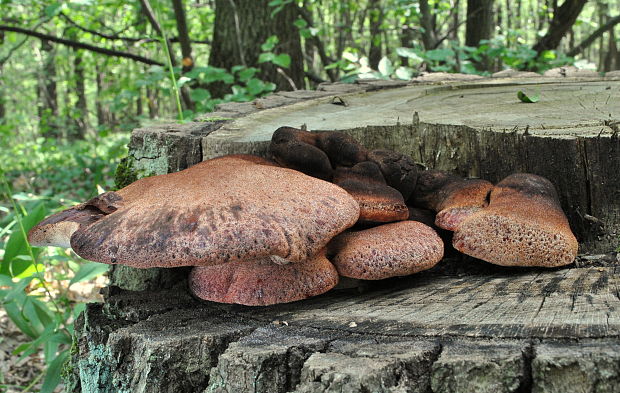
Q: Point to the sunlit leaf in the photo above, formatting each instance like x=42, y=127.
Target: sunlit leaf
x=528, y=98
x=88, y=271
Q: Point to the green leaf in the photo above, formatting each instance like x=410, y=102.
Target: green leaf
x=405, y=73
x=17, y=244
x=247, y=73
x=439, y=54
x=255, y=86
x=270, y=43
x=385, y=66
x=300, y=23
x=199, y=94
x=90, y=270
x=409, y=53
x=530, y=99
x=15, y=315
x=53, y=9
x=266, y=57
x=52, y=376
x=282, y=60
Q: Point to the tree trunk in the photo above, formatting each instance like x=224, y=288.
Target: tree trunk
x=47, y=93
x=480, y=24
x=184, y=40
x=242, y=26
x=563, y=19
x=81, y=106
x=428, y=30
x=375, y=19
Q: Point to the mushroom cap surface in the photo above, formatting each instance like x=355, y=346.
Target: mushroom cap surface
x=453, y=198
x=261, y=282
x=524, y=225
x=221, y=210
x=378, y=202
x=389, y=250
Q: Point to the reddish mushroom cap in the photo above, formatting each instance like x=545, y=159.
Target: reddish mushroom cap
x=524, y=225
x=261, y=282
x=221, y=210
x=453, y=198
x=378, y=202
x=389, y=250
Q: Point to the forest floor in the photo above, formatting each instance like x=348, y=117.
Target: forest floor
x=17, y=375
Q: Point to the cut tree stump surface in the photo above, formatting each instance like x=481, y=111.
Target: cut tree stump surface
x=464, y=326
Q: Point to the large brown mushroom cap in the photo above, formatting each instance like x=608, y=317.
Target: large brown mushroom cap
x=222, y=210
x=524, y=225
x=389, y=250
x=261, y=282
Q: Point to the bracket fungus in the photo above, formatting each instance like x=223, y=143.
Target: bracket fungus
x=388, y=250
x=451, y=197
x=523, y=225
x=222, y=210
x=378, y=202
x=261, y=282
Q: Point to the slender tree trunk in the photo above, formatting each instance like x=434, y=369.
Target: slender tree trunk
x=104, y=116
x=184, y=40
x=81, y=106
x=150, y=15
x=47, y=92
x=242, y=26
x=407, y=35
x=152, y=96
x=2, y=88
x=426, y=20
x=602, y=16
x=456, y=21
x=375, y=19
x=612, y=53
x=563, y=19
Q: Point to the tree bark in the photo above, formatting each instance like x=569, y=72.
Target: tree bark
x=47, y=93
x=242, y=26
x=81, y=106
x=428, y=30
x=479, y=26
x=375, y=19
x=184, y=40
x=563, y=19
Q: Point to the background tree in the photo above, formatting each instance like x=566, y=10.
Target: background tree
x=243, y=26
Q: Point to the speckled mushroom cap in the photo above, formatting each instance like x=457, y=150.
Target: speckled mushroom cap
x=523, y=225
x=261, y=282
x=378, y=202
x=452, y=197
x=222, y=210
x=396, y=249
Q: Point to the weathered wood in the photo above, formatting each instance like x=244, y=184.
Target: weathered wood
x=491, y=329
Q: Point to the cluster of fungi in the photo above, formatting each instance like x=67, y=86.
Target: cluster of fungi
x=265, y=231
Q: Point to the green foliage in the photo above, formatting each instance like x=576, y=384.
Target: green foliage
x=527, y=98
x=24, y=289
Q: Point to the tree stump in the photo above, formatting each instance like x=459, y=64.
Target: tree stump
x=463, y=326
